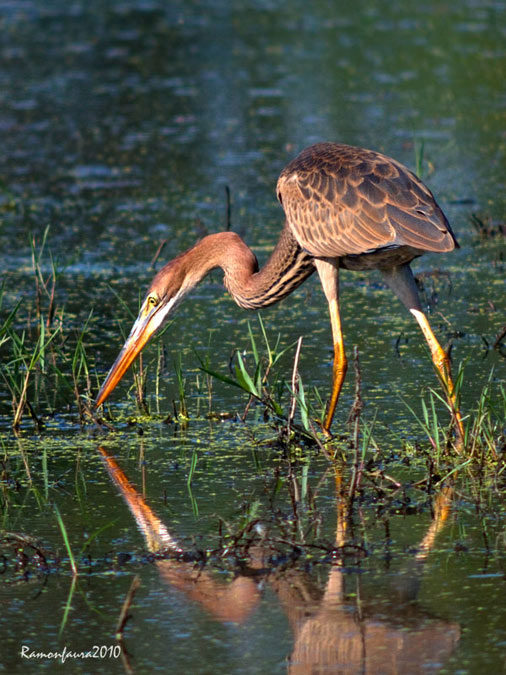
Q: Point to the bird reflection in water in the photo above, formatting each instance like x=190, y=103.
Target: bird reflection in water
x=345, y=207
x=331, y=633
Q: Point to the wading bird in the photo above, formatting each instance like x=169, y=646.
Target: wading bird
x=345, y=207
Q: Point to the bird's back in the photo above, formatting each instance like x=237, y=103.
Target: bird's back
x=342, y=201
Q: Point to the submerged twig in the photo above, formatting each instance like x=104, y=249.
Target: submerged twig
x=228, y=222
x=160, y=248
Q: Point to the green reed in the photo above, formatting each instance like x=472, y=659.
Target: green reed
x=182, y=413
x=253, y=371
x=18, y=370
x=484, y=425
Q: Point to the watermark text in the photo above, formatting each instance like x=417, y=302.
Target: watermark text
x=96, y=652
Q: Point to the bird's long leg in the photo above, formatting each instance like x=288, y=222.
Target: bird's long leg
x=329, y=277
x=401, y=281
x=442, y=363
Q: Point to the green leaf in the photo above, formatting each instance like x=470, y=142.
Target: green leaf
x=244, y=377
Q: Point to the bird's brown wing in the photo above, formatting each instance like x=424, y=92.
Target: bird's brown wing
x=340, y=200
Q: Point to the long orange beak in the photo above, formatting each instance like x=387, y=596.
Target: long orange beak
x=145, y=326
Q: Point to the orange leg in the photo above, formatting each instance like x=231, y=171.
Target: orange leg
x=340, y=363
x=442, y=363
x=401, y=281
x=329, y=276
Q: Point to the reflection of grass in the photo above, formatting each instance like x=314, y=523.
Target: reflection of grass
x=66, y=541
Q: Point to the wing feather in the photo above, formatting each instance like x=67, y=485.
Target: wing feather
x=340, y=200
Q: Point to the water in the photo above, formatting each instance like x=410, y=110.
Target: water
x=122, y=123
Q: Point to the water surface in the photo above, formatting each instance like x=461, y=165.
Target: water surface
x=122, y=124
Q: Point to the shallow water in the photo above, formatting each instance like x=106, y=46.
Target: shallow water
x=121, y=126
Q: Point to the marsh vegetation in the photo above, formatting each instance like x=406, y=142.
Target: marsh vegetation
x=203, y=501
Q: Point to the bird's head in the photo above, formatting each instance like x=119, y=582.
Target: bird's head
x=165, y=293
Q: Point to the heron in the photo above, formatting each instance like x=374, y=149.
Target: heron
x=345, y=208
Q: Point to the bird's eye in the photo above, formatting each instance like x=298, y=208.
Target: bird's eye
x=152, y=301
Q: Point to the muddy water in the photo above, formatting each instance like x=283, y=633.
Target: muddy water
x=122, y=124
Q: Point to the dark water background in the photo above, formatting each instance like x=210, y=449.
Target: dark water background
x=121, y=125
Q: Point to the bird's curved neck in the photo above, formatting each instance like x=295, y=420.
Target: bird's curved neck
x=287, y=267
